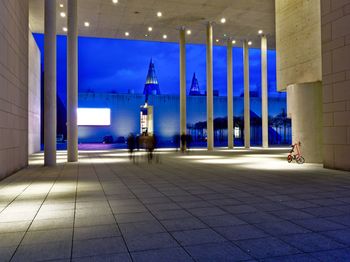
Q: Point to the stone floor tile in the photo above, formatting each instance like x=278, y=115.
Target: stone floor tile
x=271, y=206
x=318, y=224
x=240, y=209
x=129, y=209
x=224, y=202
x=291, y=258
x=241, y=232
x=171, y=214
x=258, y=217
x=323, y=211
x=11, y=239
x=197, y=236
x=206, y=211
x=292, y=214
x=47, y=224
x=123, y=257
x=155, y=200
x=266, y=247
x=217, y=252
x=222, y=220
x=48, y=251
x=183, y=224
x=134, y=217
x=100, y=246
x=333, y=255
x=163, y=206
x=141, y=228
x=281, y=228
x=47, y=236
x=94, y=221
x=311, y=242
x=162, y=255
x=327, y=202
x=299, y=204
x=344, y=220
x=6, y=253
x=150, y=241
x=341, y=235
x=104, y=231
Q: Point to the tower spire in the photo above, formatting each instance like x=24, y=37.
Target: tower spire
x=194, y=91
x=151, y=85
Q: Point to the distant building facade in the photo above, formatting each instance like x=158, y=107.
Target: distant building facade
x=125, y=118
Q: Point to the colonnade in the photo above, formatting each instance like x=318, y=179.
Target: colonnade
x=50, y=107
x=209, y=89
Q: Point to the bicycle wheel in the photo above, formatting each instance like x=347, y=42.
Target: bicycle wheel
x=289, y=158
x=300, y=160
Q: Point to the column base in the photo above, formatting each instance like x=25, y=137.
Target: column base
x=305, y=108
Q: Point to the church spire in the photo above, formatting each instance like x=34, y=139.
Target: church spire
x=194, y=91
x=151, y=85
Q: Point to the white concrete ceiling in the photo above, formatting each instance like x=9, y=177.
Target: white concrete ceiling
x=243, y=19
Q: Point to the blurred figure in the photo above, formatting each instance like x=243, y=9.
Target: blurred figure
x=151, y=147
x=131, y=146
x=188, y=141
x=183, y=143
x=177, y=141
x=138, y=142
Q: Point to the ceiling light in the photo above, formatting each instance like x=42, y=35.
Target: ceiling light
x=217, y=40
x=260, y=32
x=146, y=35
x=165, y=36
x=150, y=29
x=61, y=5
x=115, y=1
x=65, y=29
x=225, y=35
x=86, y=24
x=127, y=34
x=188, y=32
x=63, y=14
x=233, y=42
x=223, y=20
x=159, y=14
x=250, y=43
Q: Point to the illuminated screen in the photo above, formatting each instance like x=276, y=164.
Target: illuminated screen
x=94, y=117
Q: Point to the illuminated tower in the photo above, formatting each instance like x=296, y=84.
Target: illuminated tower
x=195, y=91
x=151, y=86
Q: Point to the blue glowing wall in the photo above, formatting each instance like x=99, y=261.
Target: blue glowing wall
x=112, y=74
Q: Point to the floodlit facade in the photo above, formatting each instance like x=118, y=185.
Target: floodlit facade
x=313, y=65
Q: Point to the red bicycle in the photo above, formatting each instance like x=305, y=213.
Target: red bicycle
x=295, y=154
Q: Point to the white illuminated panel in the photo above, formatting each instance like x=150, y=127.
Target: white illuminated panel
x=94, y=116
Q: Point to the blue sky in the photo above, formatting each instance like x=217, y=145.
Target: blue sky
x=114, y=65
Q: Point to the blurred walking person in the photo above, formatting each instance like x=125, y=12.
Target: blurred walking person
x=183, y=142
x=131, y=146
x=188, y=142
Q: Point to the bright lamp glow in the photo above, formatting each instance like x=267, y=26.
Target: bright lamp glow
x=94, y=117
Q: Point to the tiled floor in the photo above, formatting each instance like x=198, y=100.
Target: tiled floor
x=203, y=206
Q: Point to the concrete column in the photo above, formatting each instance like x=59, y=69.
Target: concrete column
x=72, y=81
x=182, y=82
x=50, y=122
x=264, y=94
x=210, y=122
x=246, y=95
x=229, y=95
x=305, y=108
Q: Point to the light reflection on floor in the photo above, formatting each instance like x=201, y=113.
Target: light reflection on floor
x=254, y=158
